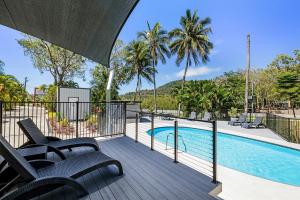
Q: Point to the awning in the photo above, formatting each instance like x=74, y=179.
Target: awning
x=86, y=27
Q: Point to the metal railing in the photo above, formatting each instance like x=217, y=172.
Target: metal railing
x=63, y=119
x=171, y=136
x=288, y=128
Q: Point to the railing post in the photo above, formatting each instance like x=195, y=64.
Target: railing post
x=1, y=116
x=152, y=131
x=289, y=127
x=77, y=117
x=125, y=118
x=136, y=126
x=175, y=141
x=214, y=151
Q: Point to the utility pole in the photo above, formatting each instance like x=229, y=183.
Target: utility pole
x=25, y=85
x=247, y=74
x=25, y=82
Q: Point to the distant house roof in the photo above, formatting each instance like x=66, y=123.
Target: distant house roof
x=86, y=27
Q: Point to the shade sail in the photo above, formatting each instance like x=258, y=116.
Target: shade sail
x=86, y=27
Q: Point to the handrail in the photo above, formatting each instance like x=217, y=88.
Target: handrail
x=177, y=136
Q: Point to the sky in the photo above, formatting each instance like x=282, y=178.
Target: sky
x=274, y=27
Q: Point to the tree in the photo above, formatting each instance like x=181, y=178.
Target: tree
x=234, y=84
x=191, y=41
x=289, y=87
x=100, y=75
x=265, y=87
x=99, y=82
x=70, y=84
x=138, y=63
x=157, y=40
x=62, y=64
x=11, y=89
x=288, y=76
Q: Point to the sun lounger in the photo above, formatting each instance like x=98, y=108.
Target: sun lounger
x=207, y=116
x=242, y=119
x=35, y=136
x=255, y=124
x=193, y=115
x=41, y=176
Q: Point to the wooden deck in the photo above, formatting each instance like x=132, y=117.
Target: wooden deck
x=147, y=175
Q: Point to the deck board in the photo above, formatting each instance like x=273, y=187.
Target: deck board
x=147, y=175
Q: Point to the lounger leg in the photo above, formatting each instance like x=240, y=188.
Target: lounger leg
x=119, y=165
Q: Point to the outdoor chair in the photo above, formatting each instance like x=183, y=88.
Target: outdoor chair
x=255, y=124
x=35, y=136
x=242, y=119
x=38, y=177
x=207, y=116
x=193, y=116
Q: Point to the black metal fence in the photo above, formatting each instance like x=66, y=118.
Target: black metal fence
x=63, y=119
x=288, y=128
x=173, y=137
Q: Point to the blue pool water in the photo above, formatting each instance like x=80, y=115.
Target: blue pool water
x=261, y=159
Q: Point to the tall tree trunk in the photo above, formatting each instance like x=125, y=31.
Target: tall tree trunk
x=293, y=108
x=140, y=88
x=183, y=80
x=154, y=88
x=136, y=89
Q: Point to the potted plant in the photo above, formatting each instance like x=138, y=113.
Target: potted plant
x=233, y=114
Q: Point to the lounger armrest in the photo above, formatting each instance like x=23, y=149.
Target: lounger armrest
x=31, y=146
x=51, y=138
x=41, y=163
x=26, y=144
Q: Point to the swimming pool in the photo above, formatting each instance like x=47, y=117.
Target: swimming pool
x=261, y=159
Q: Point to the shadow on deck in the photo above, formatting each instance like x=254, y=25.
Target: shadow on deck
x=147, y=175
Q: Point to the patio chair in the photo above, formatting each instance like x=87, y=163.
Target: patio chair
x=35, y=136
x=255, y=124
x=193, y=115
x=207, y=116
x=242, y=119
x=38, y=177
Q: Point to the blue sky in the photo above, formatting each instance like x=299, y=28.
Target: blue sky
x=274, y=27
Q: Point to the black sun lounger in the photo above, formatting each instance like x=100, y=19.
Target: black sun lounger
x=35, y=136
x=41, y=176
x=255, y=124
x=242, y=119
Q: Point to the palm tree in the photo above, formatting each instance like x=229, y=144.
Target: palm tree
x=138, y=63
x=157, y=40
x=191, y=41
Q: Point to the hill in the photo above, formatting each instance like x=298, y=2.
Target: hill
x=161, y=90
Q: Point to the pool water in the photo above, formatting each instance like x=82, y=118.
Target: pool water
x=261, y=159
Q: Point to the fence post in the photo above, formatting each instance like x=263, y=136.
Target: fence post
x=152, y=131
x=175, y=141
x=214, y=151
x=125, y=118
x=289, y=129
x=77, y=117
x=1, y=116
x=136, y=126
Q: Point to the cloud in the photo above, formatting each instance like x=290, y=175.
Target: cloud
x=196, y=71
